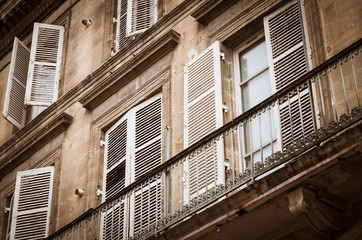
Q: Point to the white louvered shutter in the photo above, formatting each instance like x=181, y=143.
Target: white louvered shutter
x=121, y=35
x=32, y=203
x=44, y=67
x=284, y=35
x=114, y=222
x=116, y=176
x=14, y=109
x=117, y=152
x=203, y=115
x=141, y=14
x=147, y=155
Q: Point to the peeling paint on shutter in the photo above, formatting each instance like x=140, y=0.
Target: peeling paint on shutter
x=141, y=14
x=284, y=35
x=147, y=156
x=32, y=203
x=121, y=33
x=204, y=114
x=14, y=109
x=44, y=67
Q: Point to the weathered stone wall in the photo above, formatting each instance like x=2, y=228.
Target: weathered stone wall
x=82, y=158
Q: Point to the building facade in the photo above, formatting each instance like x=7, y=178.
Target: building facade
x=171, y=119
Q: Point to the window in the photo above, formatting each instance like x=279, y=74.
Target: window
x=133, y=17
x=133, y=148
x=32, y=201
x=266, y=66
x=259, y=136
x=34, y=74
x=203, y=114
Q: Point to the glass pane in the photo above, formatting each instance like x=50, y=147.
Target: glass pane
x=36, y=110
x=263, y=132
x=253, y=61
x=256, y=90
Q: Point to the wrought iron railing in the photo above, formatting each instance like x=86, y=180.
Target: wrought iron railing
x=304, y=113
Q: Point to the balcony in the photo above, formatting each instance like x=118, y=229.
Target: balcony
x=282, y=129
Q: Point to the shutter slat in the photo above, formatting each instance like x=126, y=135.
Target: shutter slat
x=44, y=68
x=32, y=202
x=14, y=110
x=203, y=114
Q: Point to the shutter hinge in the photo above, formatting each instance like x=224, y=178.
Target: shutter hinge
x=102, y=143
x=115, y=20
x=222, y=55
x=99, y=192
x=227, y=166
x=225, y=108
x=7, y=209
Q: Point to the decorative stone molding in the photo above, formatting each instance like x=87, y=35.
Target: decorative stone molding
x=211, y=9
x=121, y=75
x=25, y=142
x=324, y=211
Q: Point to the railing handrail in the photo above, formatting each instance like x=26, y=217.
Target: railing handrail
x=273, y=98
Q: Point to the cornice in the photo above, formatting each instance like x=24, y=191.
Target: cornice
x=121, y=75
x=29, y=139
x=211, y=9
x=23, y=28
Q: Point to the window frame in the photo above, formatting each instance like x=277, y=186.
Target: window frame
x=245, y=46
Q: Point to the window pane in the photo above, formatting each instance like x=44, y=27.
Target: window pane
x=253, y=61
x=256, y=90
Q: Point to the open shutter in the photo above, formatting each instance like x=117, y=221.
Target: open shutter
x=204, y=114
x=44, y=67
x=121, y=36
x=32, y=202
x=284, y=35
x=141, y=14
x=147, y=156
x=14, y=109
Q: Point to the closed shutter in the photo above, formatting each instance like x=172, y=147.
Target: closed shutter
x=284, y=35
x=147, y=156
x=114, y=222
x=116, y=155
x=14, y=110
x=44, y=67
x=203, y=115
x=121, y=37
x=116, y=176
x=141, y=14
x=32, y=202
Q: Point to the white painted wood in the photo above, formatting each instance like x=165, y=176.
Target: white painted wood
x=203, y=114
x=32, y=204
x=141, y=15
x=44, y=66
x=121, y=31
x=286, y=35
x=136, y=142
x=14, y=109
